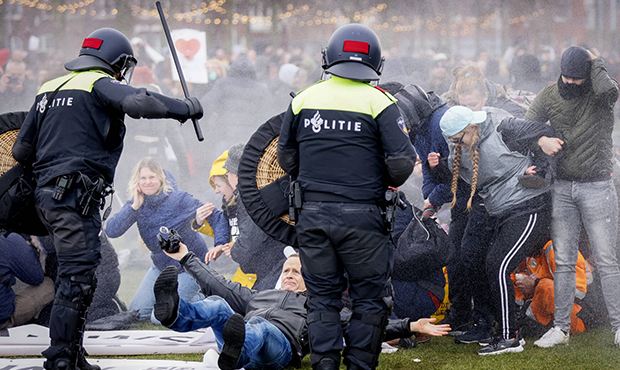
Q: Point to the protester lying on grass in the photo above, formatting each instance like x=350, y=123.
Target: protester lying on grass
x=253, y=329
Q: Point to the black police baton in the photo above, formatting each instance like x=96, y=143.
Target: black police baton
x=177, y=64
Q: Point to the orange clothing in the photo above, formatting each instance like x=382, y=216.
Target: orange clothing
x=542, y=267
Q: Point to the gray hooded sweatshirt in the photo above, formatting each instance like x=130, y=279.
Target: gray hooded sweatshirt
x=498, y=170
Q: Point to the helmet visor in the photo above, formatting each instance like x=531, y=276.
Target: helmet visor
x=127, y=72
x=126, y=64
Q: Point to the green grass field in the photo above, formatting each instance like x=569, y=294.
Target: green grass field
x=589, y=351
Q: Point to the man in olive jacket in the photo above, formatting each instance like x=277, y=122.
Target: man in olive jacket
x=580, y=109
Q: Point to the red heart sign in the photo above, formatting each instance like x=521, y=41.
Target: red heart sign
x=188, y=48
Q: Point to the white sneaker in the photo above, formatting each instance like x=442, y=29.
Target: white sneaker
x=617, y=340
x=553, y=337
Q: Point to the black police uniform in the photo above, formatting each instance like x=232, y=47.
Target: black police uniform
x=81, y=136
x=345, y=143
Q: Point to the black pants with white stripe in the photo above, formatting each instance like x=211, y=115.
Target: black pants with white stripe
x=517, y=235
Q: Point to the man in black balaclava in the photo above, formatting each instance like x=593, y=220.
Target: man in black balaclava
x=580, y=109
x=575, y=67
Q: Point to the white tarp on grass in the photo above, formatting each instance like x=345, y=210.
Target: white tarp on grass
x=110, y=364
x=31, y=340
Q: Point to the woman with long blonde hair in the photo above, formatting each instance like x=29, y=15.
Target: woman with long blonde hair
x=471, y=88
x=155, y=202
x=490, y=159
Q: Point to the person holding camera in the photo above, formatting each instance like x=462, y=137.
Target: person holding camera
x=157, y=202
x=264, y=329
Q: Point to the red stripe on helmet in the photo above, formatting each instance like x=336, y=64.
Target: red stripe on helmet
x=352, y=46
x=92, y=43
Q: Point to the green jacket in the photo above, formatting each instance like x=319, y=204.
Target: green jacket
x=585, y=124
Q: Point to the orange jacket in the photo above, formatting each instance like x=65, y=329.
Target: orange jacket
x=543, y=267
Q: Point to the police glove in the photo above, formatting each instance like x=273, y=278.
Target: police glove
x=194, y=107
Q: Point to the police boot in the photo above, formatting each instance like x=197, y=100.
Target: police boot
x=87, y=299
x=82, y=364
x=326, y=363
x=64, y=328
x=354, y=367
x=58, y=364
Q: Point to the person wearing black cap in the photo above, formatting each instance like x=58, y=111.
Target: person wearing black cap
x=580, y=109
x=345, y=142
x=72, y=138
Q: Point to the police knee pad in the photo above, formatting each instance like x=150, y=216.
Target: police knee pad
x=324, y=317
x=76, y=290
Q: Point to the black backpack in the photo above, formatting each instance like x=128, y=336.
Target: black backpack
x=422, y=250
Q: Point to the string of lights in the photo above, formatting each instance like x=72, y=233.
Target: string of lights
x=71, y=8
x=214, y=13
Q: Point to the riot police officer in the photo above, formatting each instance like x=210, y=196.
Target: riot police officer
x=73, y=137
x=345, y=142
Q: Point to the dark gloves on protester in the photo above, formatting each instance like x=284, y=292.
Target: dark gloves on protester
x=194, y=106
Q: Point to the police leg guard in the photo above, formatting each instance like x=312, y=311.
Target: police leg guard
x=82, y=364
x=67, y=321
x=325, y=337
x=364, y=337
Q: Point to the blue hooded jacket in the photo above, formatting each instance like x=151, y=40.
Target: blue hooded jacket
x=429, y=139
x=175, y=210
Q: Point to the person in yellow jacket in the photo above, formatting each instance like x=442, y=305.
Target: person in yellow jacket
x=534, y=282
x=218, y=179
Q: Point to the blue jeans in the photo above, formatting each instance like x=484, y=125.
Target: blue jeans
x=265, y=346
x=595, y=205
x=144, y=299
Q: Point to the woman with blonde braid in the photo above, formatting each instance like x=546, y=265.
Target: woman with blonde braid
x=490, y=159
x=470, y=227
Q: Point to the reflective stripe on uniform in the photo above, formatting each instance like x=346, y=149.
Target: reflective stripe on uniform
x=356, y=96
x=82, y=81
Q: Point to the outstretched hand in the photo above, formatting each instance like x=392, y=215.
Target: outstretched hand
x=426, y=326
x=203, y=212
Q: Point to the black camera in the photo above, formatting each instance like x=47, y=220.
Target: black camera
x=169, y=240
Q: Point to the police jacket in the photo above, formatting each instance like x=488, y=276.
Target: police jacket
x=345, y=140
x=284, y=309
x=83, y=126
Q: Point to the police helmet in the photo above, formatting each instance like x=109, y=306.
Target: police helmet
x=106, y=49
x=353, y=52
